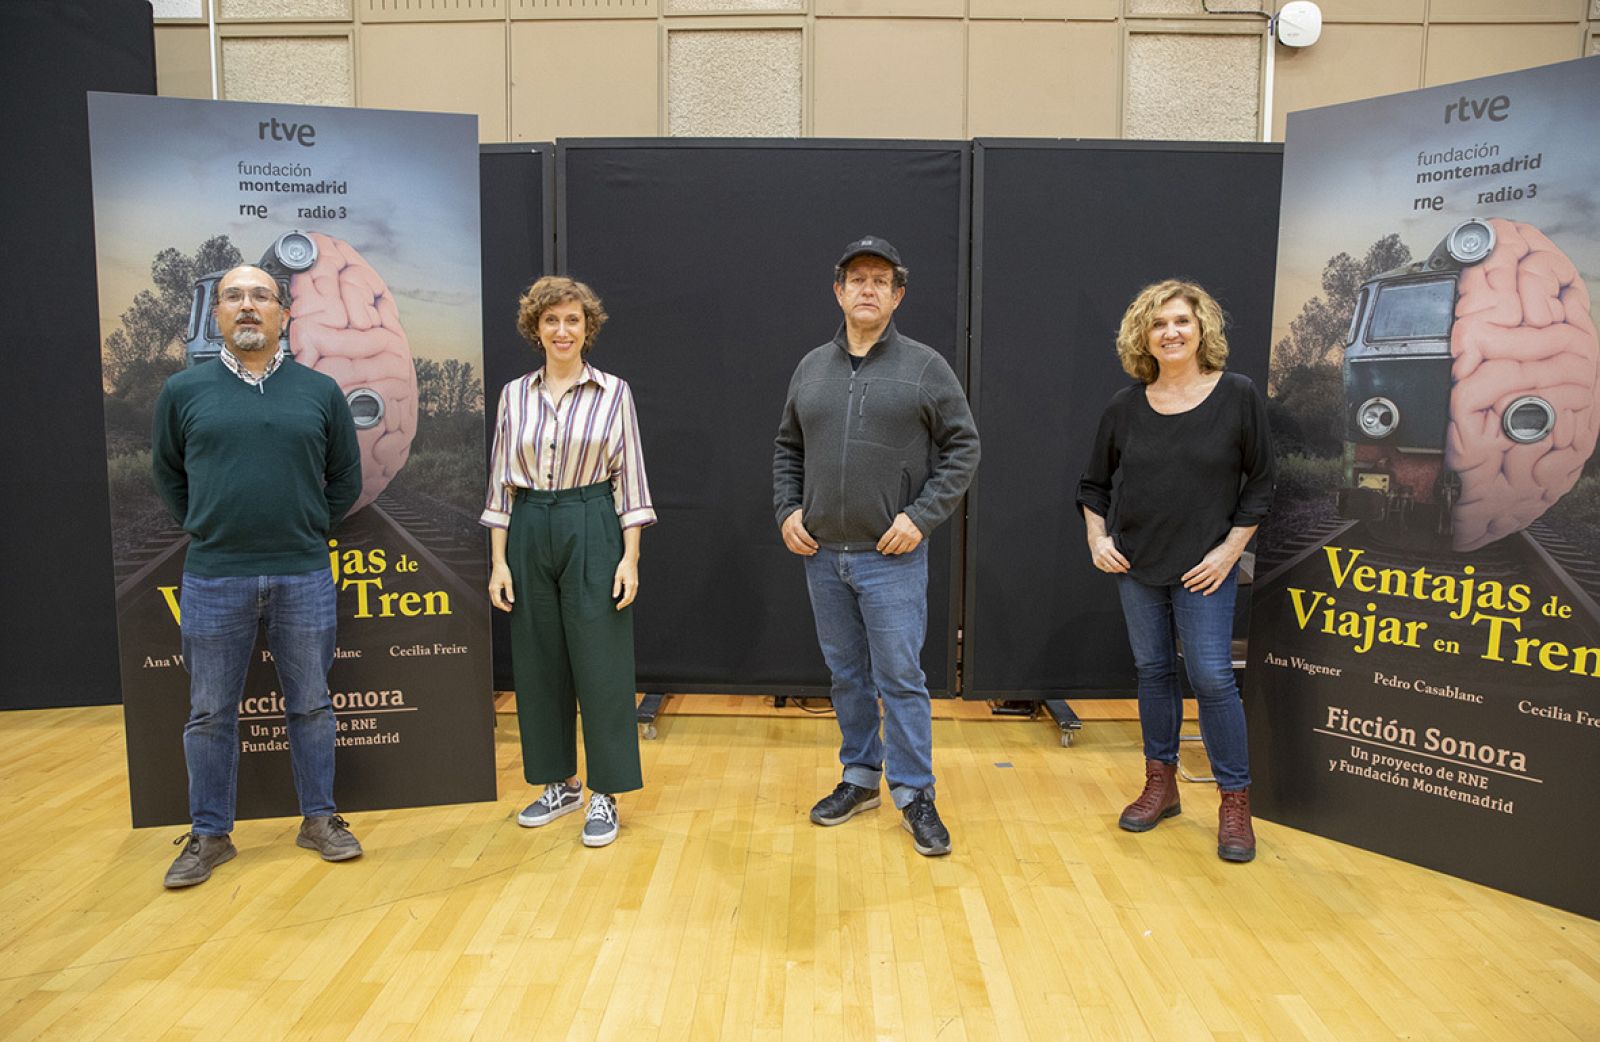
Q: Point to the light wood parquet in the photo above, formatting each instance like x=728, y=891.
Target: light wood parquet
x=722, y=913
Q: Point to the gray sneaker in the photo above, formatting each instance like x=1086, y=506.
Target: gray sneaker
x=600, y=823
x=558, y=799
x=329, y=837
x=199, y=857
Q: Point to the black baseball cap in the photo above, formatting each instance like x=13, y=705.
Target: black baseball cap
x=871, y=245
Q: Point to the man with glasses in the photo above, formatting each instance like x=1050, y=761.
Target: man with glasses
x=256, y=457
x=875, y=450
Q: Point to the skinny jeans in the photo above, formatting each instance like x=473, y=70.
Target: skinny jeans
x=1157, y=617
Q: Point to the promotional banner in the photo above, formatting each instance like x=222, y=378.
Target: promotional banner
x=1424, y=663
x=369, y=222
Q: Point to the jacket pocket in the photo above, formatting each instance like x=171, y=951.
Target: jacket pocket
x=888, y=414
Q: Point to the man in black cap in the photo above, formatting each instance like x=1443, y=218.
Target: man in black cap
x=875, y=450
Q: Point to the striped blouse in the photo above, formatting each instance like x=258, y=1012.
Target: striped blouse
x=591, y=435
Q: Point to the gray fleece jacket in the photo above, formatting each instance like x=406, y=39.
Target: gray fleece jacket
x=855, y=448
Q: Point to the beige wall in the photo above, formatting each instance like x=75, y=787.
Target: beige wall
x=449, y=67
x=183, y=65
x=539, y=69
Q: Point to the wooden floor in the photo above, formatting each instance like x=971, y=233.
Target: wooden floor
x=721, y=913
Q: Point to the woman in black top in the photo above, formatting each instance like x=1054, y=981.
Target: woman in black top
x=1180, y=477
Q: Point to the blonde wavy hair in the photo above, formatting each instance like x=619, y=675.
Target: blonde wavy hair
x=1133, y=339
x=551, y=290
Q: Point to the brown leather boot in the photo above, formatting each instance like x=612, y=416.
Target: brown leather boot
x=1236, y=840
x=1158, y=800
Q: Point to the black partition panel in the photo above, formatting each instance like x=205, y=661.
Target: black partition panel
x=715, y=260
x=58, y=623
x=1064, y=235
x=516, y=185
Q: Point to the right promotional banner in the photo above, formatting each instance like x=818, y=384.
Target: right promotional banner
x=1424, y=652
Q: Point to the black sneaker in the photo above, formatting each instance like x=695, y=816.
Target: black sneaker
x=843, y=803
x=199, y=857
x=928, y=833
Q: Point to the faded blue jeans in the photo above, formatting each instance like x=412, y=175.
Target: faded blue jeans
x=872, y=616
x=1155, y=616
x=220, y=618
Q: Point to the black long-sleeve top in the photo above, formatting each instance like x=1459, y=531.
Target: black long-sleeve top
x=1172, y=486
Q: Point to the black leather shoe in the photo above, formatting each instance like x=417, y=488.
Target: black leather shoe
x=928, y=833
x=200, y=855
x=843, y=803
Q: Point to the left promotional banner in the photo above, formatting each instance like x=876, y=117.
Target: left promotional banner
x=368, y=220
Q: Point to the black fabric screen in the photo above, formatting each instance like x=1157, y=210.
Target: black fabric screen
x=715, y=260
x=1064, y=236
x=516, y=186
x=58, y=627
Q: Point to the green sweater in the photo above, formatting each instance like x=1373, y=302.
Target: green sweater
x=256, y=475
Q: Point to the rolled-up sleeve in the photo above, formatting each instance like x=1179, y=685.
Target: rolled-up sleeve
x=630, y=490
x=1094, y=486
x=1257, y=461
x=497, y=503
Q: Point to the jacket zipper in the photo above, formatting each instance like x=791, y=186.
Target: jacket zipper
x=844, y=447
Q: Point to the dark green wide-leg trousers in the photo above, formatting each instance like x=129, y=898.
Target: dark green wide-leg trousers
x=570, y=646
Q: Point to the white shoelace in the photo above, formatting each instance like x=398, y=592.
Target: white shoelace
x=553, y=793
x=603, y=808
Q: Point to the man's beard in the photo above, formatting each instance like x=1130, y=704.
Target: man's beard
x=248, y=338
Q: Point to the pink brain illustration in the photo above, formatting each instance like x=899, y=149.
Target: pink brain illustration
x=1525, y=402
x=346, y=324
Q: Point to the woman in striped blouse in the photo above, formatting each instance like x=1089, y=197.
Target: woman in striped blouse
x=567, y=501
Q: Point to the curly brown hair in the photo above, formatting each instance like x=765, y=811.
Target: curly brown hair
x=1133, y=339
x=551, y=290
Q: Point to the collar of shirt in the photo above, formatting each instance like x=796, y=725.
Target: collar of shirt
x=842, y=338
x=588, y=376
x=238, y=369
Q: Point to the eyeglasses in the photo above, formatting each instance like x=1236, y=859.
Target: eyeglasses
x=233, y=296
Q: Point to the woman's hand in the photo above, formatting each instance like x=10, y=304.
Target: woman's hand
x=500, y=593
x=1102, y=548
x=1205, y=577
x=625, y=584
x=1105, y=555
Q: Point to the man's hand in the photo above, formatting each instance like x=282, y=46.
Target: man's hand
x=796, y=538
x=902, y=537
x=500, y=592
x=1103, y=551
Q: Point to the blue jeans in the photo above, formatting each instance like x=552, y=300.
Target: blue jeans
x=220, y=617
x=872, y=616
x=1157, y=614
